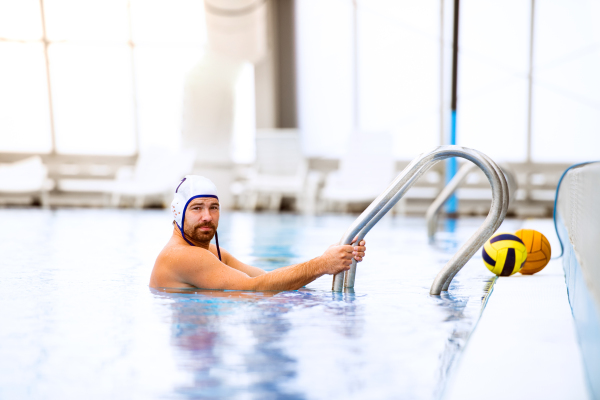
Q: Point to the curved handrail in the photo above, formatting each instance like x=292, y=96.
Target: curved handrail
x=385, y=201
x=447, y=191
x=435, y=207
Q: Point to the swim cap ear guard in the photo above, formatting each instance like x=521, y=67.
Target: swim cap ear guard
x=190, y=188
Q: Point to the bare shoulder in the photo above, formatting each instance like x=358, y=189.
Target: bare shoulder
x=224, y=253
x=213, y=249
x=175, y=261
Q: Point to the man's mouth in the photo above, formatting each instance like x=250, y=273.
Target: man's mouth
x=206, y=228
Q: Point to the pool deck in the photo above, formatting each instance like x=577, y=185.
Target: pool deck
x=525, y=343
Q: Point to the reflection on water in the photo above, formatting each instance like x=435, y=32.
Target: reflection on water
x=82, y=322
x=446, y=239
x=462, y=311
x=450, y=224
x=233, y=342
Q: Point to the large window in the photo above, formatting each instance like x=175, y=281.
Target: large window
x=24, y=105
x=95, y=77
x=385, y=66
x=325, y=75
x=399, y=73
x=493, y=88
x=566, y=98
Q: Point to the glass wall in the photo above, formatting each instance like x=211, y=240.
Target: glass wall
x=95, y=77
x=398, y=72
x=385, y=66
x=566, y=98
x=493, y=85
x=325, y=74
x=107, y=77
x=24, y=105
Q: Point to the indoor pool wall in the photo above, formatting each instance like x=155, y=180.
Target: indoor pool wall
x=81, y=321
x=578, y=218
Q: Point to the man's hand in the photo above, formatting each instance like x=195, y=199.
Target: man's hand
x=359, y=251
x=338, y=258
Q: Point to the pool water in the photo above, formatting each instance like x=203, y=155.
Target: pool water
x=79, y=320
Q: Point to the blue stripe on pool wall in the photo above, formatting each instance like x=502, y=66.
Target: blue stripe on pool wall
x=506, y=236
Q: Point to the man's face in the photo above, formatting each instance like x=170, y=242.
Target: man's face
x=202, y=219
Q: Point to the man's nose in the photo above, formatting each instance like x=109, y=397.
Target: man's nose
x=205, y=215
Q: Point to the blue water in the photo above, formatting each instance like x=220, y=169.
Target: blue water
x=79, y=320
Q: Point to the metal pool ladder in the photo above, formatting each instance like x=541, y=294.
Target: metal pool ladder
x=431, y=216
x=384, y=203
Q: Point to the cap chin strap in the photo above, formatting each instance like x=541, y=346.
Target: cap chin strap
x=183, y=221
x=217, y=242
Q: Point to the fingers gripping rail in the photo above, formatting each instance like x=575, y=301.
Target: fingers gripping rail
x=384, y=203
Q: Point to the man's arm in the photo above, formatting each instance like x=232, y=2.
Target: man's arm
x=200, y=268
x=233, y=262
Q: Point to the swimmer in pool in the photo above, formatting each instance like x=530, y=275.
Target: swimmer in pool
x=190, y=261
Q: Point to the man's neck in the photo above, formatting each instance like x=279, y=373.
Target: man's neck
x=178, y=237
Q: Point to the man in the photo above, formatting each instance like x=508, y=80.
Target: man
x=190, y=261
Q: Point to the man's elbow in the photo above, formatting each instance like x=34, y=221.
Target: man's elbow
x=263, y=283
x=251, y=284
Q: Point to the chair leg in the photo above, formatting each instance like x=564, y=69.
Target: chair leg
x=44, y=198
x=345, y=207
x=275, y=201
x=302, y=204
x=115, y=199
x=166, y=199
x=106, y=200
x=252, y=200
x=139, y=202
x=400, y=207
x=323, y=205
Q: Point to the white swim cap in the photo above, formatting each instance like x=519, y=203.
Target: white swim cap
x=191, y=187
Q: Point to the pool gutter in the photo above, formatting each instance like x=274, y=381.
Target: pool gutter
x=524, y=345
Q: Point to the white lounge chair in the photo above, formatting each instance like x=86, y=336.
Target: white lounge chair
x=280, y=170
x=365, y=170
x=26, y=178
x=154, y=174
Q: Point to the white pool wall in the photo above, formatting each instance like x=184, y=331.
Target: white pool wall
x=578, y=220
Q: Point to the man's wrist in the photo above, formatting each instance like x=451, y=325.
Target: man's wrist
x=320, y=265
